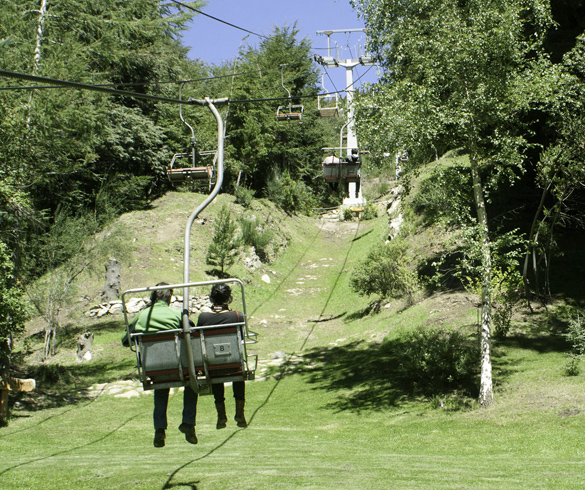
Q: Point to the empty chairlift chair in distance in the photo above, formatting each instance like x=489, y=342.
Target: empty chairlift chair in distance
x=328, y=104
x=288, y=112
x=178, y=173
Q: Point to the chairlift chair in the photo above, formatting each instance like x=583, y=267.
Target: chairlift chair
x=327, y=104
x=288, y=112
x=194, y=356
x=183, y=173
x=219, y=351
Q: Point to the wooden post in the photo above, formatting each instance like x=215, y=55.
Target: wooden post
x=13, y=384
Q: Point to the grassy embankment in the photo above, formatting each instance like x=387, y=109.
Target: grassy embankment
x=332, y=422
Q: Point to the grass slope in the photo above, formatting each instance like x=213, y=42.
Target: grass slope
x=331, y=423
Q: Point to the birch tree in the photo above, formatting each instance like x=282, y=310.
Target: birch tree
x=453, y=73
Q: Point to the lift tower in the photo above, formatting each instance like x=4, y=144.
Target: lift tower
x=331, y=61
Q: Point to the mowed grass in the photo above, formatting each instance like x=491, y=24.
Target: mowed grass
x=312, y=426
x=293, y=441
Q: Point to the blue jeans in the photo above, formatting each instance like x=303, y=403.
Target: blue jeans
x=161, y=401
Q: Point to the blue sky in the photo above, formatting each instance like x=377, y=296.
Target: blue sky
x=215, y=42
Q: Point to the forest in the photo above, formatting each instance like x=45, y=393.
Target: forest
x=500, y=82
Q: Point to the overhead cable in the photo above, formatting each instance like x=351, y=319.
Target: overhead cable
x=97, y=88
x=128, y=84
x=113, y=91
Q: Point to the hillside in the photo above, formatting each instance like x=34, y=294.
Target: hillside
x=330, y=408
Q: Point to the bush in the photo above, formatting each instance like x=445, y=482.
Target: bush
x=575, y=334
x=253, y=235
x=439, y=360
x=244, y=196
x=348, y=215
x=385, y=272
x=222, y=250
x=370, y=212
x=290, y=195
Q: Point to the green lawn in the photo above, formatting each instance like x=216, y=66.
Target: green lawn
x=311, y=426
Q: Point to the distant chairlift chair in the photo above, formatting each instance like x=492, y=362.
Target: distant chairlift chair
x=328, y=104
x=182, y=173
x=288, y=112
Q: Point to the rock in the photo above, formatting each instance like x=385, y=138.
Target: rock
x=266, y=278
x=128, y=394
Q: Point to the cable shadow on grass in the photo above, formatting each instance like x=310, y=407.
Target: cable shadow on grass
x=73, y=449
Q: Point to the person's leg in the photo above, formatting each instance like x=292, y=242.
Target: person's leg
x=189, y=406
x=187, y=427
x=239, y=388
x=218, y=391
x=161, y=401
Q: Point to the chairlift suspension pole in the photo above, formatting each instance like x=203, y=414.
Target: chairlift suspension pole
x=186, y=258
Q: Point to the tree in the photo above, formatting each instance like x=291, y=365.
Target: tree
x=13, y=311
x=454, y=79
x=260, y=147
x=72, y=247
x=221, y=251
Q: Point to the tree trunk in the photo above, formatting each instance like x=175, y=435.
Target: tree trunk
x=486, y=394
x=37, y=58
x=84, y=343
x=112, y=289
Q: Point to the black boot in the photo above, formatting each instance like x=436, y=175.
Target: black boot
x=221, y=416
x=240, y=418
x=189, y=431
x=159, y=438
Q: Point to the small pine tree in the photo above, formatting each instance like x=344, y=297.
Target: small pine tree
x=222, y=250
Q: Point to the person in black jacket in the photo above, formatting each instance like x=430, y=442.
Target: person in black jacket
x=220, y=297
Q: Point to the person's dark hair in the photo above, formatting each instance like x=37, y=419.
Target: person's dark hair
x=161, y=294
x=221, y=294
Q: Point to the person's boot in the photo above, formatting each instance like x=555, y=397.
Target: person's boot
x=189, y=431
x=221, y=416
x=240, y=418
x=159, y=438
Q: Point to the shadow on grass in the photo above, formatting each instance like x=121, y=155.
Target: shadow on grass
x=371, y=376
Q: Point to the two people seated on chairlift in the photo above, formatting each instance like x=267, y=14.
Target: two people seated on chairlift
x=160, y=316
x=354, y=158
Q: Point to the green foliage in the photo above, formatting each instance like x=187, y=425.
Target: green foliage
x=445, y=197
x=221, y=252
x=13, y=311
x=244, y=196
x=439, y=361
x=290, y=195
x=254, y=235
x=575, y=335
x=347, y=214
x=370, y=212
x=385, y=272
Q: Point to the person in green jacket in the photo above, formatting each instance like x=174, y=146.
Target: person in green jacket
x=160, y=316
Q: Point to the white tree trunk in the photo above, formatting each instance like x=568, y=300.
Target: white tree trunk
x=486, y=393
x=37, y=57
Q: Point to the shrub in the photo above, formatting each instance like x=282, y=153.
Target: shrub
x=244, y=196
x=439, y=360
x=347, y=214
x=253, y=235
x=370, y=212
x=385, y=272
x=575, y=334
x=223, y=247
x=290, y=195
